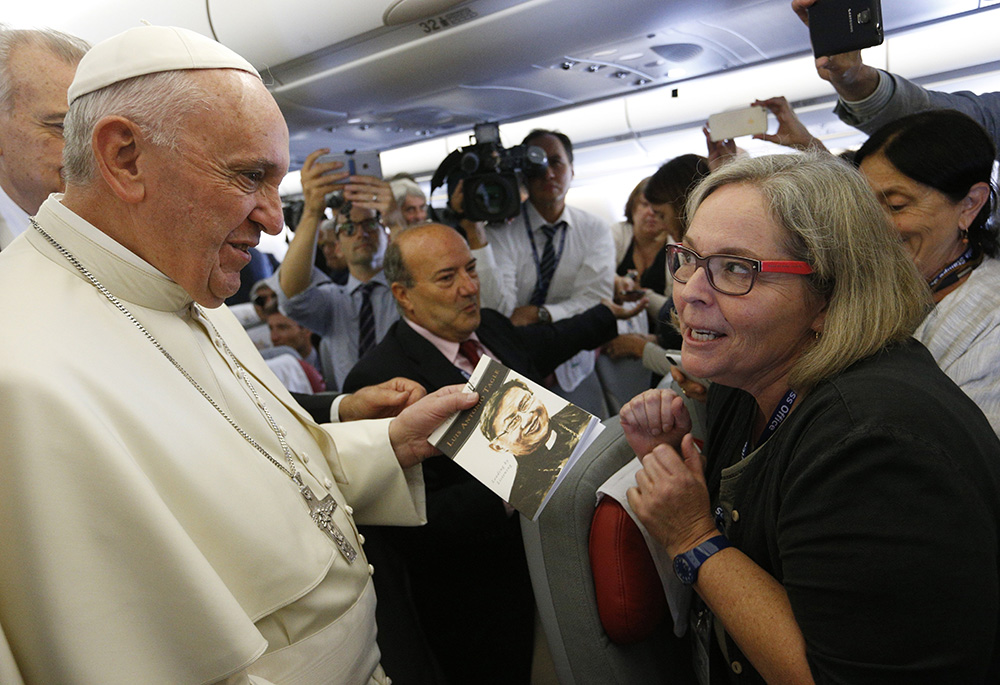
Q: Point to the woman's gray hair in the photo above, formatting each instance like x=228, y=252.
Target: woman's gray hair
x=69, y=49
x=874, y=295
x=157, y=103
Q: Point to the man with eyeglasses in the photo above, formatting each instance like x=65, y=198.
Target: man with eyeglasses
x=350, y=319
x=333, y=264
x=253, y=314
x=518, y=423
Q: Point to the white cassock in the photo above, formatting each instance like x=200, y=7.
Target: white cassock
x=143, y=539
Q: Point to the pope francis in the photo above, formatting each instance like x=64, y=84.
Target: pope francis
x=168, y=513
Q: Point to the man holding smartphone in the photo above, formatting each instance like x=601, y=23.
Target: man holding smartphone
x=871, y=98
x=350, y=318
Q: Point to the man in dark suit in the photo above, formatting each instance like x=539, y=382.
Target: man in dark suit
x=466, y=568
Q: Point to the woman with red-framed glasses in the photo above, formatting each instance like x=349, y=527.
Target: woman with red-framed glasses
x=843, y=521
x=729, y=274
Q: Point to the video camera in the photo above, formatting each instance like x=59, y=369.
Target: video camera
x=490, y=174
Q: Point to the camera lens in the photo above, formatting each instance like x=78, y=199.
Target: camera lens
x=536, y=155
x=535, y=162
x=335, y=200
x=492, y=197
x=469, y=163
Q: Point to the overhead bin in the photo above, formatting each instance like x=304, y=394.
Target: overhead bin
x=604, y=120
x=384, y=73
x=476, y=61
x=270, y=33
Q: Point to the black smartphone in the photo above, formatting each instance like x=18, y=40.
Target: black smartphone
x=837, y=26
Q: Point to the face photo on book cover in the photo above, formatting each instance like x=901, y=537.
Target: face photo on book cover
x=540, y=435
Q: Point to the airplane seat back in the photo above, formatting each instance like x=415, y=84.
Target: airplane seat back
x=559, y=562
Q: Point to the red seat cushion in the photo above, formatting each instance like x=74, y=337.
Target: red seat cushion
x=630, y=596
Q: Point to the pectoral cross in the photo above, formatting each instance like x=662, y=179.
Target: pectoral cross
x=322, y=513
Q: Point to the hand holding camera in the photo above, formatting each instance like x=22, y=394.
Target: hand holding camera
x=490, y=175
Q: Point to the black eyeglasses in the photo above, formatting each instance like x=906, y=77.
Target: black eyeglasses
x=349, y=228
x=729, y=274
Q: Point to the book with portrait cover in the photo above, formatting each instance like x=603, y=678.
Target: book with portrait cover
x=519, y=440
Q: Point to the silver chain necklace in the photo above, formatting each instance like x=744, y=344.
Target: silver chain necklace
x=322, y=510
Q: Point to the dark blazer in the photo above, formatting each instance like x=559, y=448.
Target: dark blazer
x=465, y=577
x=533, y=351
x=466, y=507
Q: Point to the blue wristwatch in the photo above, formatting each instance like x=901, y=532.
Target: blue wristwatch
x=686, y=565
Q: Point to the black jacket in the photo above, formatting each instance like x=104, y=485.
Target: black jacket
x=460, y=584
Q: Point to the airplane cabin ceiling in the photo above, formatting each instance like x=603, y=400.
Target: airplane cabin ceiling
x=501, y=60
x=380, y=74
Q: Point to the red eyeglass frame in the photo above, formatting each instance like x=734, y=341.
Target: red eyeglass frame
x=760, y=266
x=781, y=266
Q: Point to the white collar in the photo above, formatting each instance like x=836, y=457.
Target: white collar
x=125, y=274
x=551, y=440
x=537, y=220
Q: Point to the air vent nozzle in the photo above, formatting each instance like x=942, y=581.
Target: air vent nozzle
x=678, y=52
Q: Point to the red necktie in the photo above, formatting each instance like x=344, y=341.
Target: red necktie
x=470, y=350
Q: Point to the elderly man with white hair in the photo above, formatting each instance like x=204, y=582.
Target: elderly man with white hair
x=36, y=68
x=169, y=513
x=410, y=199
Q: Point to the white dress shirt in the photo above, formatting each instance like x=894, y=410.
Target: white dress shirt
x=584, y=274
x=332, y=311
